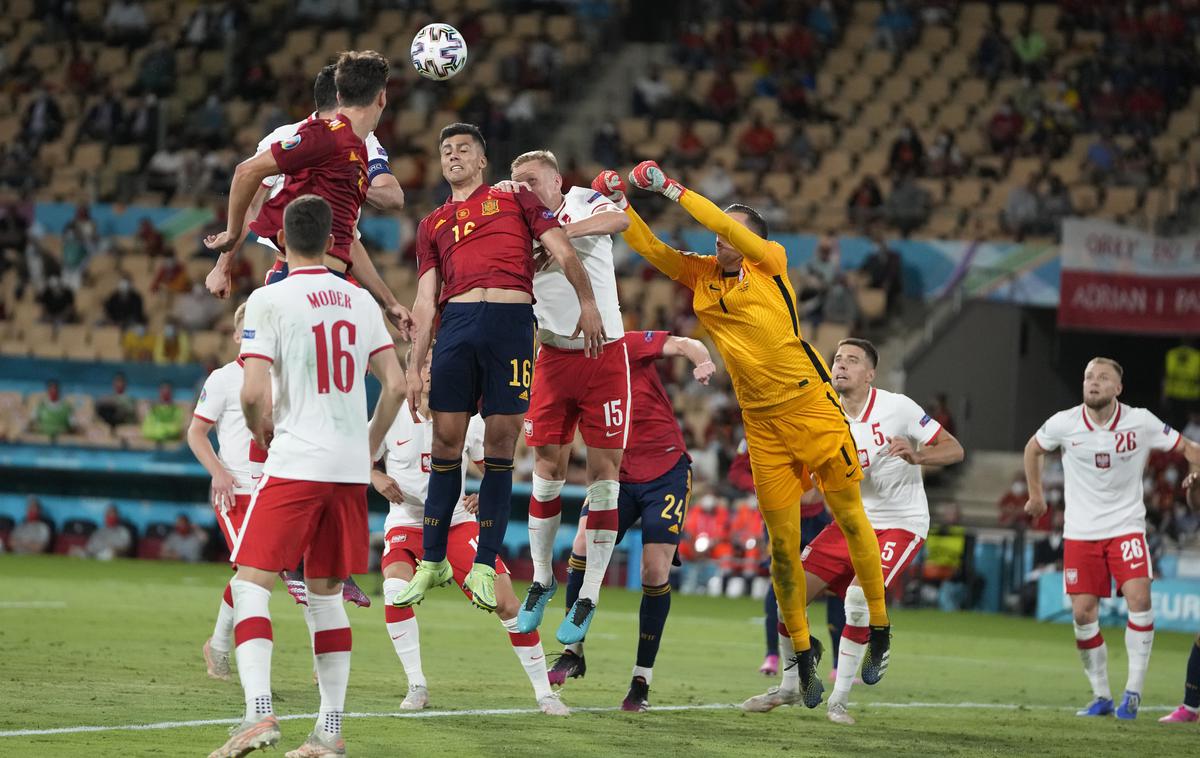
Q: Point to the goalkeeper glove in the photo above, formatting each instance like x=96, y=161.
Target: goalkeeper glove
x=648, y=176
x=609, y=184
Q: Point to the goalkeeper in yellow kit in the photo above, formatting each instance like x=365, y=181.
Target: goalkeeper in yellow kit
x=793, y=420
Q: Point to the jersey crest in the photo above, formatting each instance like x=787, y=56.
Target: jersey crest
x=460, y=214
x=491, y=206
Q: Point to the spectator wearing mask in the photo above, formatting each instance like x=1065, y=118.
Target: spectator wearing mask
x=43, y=120
x=57, y=301
x=651, y=95
x=124, y=307
x=171, y=276
x=33, y=535
x=52, y=417
x=1022, y=210
x=908, y=206
x=81, y=241
x=945, y=159
x=138, y=344
x=895, y=27
x=993, y=54
x=112, y=540
x=185, y=542
x=689, y=148
x=1056, y=205
x=117, y=408
x=105, y=120
x=1005, y=128
x=172, y=346
x=756, y=146
x=164, y=421
x=1030, y=49
x=819, y=273
x=864, y=202
x=150, y=240
x=840, y=306
x=1100, y=162
x=884, y=271
x=1012, y=504
x=705, y=543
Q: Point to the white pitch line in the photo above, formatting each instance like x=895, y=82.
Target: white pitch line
x=7, y=604
x=512, y=712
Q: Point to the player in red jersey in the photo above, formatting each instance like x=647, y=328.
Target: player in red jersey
x=327, y=158
x=317, y=335
x=475, y=255
x=656, y=483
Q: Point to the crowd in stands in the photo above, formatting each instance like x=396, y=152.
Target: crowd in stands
x=926, y=116
x=114, y=537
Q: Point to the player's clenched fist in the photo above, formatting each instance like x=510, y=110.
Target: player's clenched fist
x=610, y=184
x=1036, y=506
x=220, y=280
x=648, y=176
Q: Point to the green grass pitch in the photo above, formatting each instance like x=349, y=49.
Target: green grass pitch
x=118, y=644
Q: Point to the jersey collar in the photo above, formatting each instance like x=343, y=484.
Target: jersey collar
x=866, y=414
x=308, y=270
x=481, y=189
x=1111, y=426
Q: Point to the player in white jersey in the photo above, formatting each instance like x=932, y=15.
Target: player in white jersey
x=572, y=391
x=316, y=335
x=1105, y=445
x=405, y=483
x=894, y=438
x=235, y=470
x=383, y=193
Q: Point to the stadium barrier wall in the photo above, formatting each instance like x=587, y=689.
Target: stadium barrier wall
x=1176, y=604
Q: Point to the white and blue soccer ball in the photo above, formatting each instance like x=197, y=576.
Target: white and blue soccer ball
x=438, y=52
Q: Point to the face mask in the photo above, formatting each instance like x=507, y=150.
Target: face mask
x=1018, y=488
x=123, y=287
x=111, y=520
x=1172, y=476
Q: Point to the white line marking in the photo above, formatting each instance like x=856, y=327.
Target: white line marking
x=32, y=604
x=518, y=712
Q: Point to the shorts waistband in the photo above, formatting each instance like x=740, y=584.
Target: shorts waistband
x=482, y=305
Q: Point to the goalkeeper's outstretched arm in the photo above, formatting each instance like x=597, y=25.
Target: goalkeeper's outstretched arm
x=662, y=256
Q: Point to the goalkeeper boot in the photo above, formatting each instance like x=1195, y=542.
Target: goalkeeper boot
x=811, y=687
x=568, y=666
x=481, y=583
x=249, y=736
x=879, y=650
x=575, y=626
x=1101, y=706
x=529, y=618
x=429, y=574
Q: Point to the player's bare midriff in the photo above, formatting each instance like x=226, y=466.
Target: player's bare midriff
x=337, y=264
x=492, y=295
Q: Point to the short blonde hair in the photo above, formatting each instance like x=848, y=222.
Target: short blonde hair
x=239, y=317
x=1109, y=362
x=545, y=156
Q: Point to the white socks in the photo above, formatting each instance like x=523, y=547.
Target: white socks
x=645, y=673
x=252, y=634
x=331, y=646
x=528, y=648
x=222, y=636
x=789, y=678
x=601, y=534
x=1094, y=654
x=853, y=645
x=406, y=635
x=545, y=515
x=1139, y=638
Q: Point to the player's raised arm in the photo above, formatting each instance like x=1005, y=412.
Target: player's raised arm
x=386, y=367
x=219, y=281
x=696, y=352
x=385, y=194
x=590, y=325
x=605, y=222
x=247, y=180
x=424, y=312
x=768, y=254
x=662, y=256
x=1035, y=460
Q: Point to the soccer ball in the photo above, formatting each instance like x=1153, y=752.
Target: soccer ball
x=438, y=52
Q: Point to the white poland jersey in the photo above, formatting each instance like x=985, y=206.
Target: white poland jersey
x=408, y=447
x=556, y=305
x=319, y=333
x=893, y=492
x=220, y=404
x=1103, y=466
x=375, y=153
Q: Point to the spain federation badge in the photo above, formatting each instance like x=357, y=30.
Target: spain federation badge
x=462, y=213
x=491, y=207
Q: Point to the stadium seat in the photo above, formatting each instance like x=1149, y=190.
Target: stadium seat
x=150, y=546
x=1119, y=201
x=872, y=304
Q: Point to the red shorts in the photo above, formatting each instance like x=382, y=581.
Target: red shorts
x=828, y=556
x=230, y=521
x=1089, y=566
x=405, y=544
x=325, y=523
x=569, y=390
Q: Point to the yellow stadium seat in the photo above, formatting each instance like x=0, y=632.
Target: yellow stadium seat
x=1011, y=16
x=935, y=90
x=971, y=92
x=827, y=338
x=936, y=38
x=709, y=132
x=858, y=37
x=820, y=136
x=495, y=25
x=1023, y=169
x=779, y=185
x=877, y=63
x=916, y=64
x=876, y=115
x=953, y=116
x=896, y=90
x=955, y=63
x=1119, y=201
x=666, y=132
x=88, y=157
x=857, y=139
x=634, y=130
x=527, y=25
x=874, y=162
x=857, y=89
x=918, y=113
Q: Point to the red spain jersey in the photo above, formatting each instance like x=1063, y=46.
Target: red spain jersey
x=324, y=158
x=483, y=241
x=655, y=441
